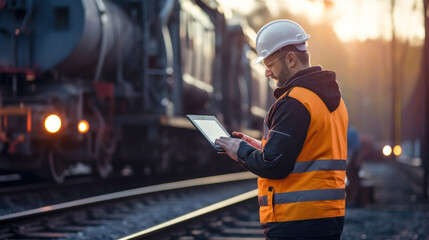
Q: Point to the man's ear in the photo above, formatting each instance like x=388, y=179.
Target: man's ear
x=291, y=59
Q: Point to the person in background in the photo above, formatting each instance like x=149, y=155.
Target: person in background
x=301, y=160
x=354, y=162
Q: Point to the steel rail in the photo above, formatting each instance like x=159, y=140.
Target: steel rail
x=46, y=210
x=192, y=216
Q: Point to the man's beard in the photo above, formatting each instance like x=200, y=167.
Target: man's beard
x=283, y=76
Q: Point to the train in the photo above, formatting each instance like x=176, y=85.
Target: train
x=107, y=83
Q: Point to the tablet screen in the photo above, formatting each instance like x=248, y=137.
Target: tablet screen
x=212, y=129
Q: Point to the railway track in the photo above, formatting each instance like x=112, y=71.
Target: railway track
x=119, y=214
x=231, y=219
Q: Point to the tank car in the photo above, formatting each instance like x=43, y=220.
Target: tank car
x=106, y=83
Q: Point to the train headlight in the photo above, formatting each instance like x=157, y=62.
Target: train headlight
x=52, y=123
x=387, y=150
x=397, y=150
x=83, y=126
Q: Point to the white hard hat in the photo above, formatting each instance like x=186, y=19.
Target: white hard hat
x=278, y=34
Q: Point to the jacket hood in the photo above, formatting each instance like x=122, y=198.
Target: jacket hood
x=321, y=82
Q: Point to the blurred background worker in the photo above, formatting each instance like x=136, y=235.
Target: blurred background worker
x=354, y=162
x=301, y=160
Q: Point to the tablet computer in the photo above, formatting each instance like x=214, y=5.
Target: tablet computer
x=210, y=127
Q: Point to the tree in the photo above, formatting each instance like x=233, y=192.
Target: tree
x=425, y=69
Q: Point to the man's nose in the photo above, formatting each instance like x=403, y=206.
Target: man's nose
x=268, y=73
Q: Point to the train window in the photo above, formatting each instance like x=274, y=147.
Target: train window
x=197, y=41
x=197, y=49
x=205, y=49
x=187, y=43
x=209, y=49
x=62, y=18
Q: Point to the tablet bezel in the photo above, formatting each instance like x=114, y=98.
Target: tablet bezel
x=192, y=118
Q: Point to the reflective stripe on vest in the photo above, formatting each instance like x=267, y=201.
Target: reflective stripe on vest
x=319, y=165
x=304, y=196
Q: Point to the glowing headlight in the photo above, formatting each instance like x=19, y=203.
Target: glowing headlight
x=52, y=123
x=397, y=150
x=387, y=150
x=83, y=126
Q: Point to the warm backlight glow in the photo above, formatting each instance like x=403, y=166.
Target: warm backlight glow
x=361, y=20
x=353, y=19
x=83, y=126
x=397, y=150
x=387, y=150
x=52, y=123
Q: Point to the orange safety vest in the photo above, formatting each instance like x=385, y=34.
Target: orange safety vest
x=315, y=189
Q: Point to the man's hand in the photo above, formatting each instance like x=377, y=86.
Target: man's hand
x=230, y=145
x=255, y=143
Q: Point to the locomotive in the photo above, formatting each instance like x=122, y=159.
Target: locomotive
x=107, y=83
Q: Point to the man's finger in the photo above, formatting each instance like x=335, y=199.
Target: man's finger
x=220, y=142
x=237, y=134
x=225, y=138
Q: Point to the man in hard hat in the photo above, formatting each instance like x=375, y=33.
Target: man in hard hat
x=301, y=160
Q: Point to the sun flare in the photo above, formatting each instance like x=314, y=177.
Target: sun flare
x=352, y=19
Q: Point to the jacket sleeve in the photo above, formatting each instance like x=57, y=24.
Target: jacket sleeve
x=289, y=124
